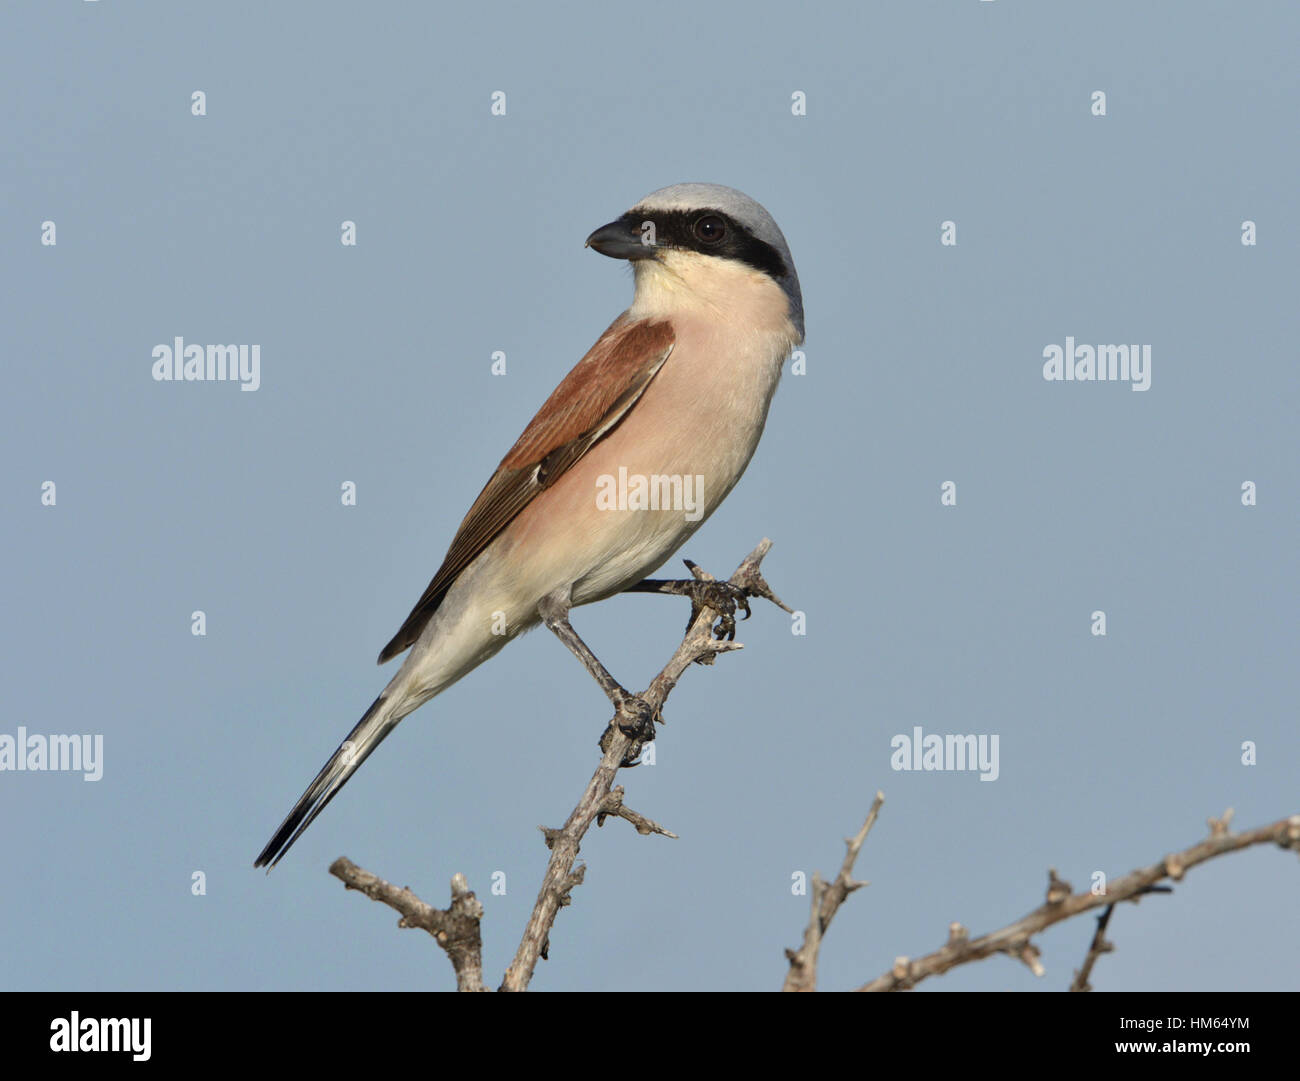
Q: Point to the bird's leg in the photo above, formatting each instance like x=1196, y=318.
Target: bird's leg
x=636, y=717
x=557, y=620
x=705, y=592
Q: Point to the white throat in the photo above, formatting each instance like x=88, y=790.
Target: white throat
x=682, y=284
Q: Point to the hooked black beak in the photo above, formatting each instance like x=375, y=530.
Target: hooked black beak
x=621, y=240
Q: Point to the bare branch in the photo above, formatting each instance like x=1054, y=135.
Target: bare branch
x=1014, y=939
x=455, y=929
x=1095, y=950
x=826, y=901
x=1100, y=944
x=699, y=645
x=614, y=807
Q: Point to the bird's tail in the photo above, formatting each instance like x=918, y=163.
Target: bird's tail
x=364, y=738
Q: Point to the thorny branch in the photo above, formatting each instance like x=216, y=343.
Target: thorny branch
x=456, y=929
x=826, y=901
x=700, y=646
x=1096, y=948
x=1014, y=940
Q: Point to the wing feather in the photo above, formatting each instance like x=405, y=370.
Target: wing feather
x=589, y=402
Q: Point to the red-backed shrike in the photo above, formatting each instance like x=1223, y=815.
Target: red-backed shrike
x=635, y=448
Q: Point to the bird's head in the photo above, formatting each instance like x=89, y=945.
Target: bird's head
x=704, y=240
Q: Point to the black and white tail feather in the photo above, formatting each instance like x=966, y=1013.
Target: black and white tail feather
x=364, y=738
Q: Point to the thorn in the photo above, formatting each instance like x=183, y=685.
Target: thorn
x=1219, y=826
x=1057, y=888
x=1030, y=954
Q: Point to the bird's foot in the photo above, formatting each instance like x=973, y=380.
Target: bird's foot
x=635, y=718
x=707, y=592
x=723, y=598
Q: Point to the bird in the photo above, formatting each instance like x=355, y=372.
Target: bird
x=677, y=387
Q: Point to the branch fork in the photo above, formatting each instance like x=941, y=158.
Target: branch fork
x=457, y=928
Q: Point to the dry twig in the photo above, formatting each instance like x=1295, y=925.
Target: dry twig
x=1096, y=948
x=826, y=901
x=455, y=928
x=1014, y=940
x=699, y=645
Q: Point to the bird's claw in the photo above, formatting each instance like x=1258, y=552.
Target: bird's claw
x=635, y=719
x=723, y=598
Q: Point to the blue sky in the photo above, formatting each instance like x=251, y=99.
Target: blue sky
x=923, y=365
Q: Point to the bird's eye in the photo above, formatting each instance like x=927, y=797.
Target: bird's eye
x=710, y=229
